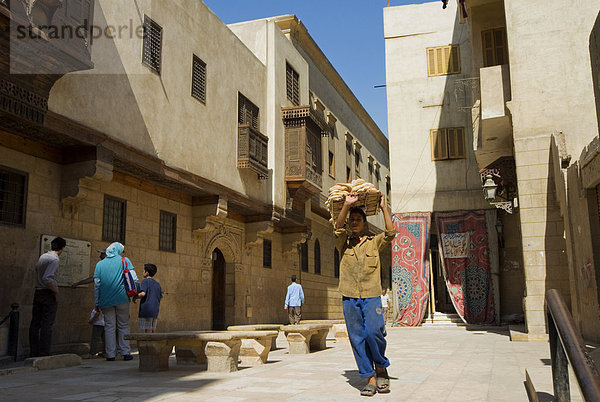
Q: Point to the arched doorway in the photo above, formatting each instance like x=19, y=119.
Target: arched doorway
x=218, y=290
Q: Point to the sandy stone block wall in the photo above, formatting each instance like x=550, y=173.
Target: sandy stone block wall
x=543, y=228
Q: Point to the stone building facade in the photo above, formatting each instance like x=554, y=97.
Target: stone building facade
x=177, y=144
x=535, y=131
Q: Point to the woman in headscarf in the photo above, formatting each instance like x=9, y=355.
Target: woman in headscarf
x=111, y=298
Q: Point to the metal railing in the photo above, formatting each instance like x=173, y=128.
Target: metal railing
x=567, y=347
x=13, y=330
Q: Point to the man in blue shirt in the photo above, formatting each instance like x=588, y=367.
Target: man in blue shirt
x=294, y=301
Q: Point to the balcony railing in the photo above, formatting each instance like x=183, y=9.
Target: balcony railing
x=253, y=150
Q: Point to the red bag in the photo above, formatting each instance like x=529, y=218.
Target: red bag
x=128, y=280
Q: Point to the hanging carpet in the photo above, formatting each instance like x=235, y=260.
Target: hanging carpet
x=463, y=244
x=410, y=267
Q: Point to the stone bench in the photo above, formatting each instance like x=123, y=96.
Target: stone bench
x=338, y=329
x=219, y=350
x=254, y=349
x=302, y=338
x=257, y=327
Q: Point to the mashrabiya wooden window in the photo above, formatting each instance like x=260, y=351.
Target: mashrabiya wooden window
x=447, y=143
x=495, y=49
x=443, y=60
x=199, y=79
x=247, y=112
x=113, y=219
x=13, y=196
x=292, y=84
x=167, y=238
x=152, y=44
x=267, y=246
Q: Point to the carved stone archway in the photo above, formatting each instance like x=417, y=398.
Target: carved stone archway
x=224, y=240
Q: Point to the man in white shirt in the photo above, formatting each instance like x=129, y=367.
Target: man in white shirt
x=385, y=301
x=294, y=299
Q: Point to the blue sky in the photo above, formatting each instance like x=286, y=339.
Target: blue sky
x=349, y=32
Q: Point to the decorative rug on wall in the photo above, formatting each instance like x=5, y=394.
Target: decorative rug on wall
x=410, y=267
x=463, y=243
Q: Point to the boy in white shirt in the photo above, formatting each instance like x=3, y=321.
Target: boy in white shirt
x=385, y=300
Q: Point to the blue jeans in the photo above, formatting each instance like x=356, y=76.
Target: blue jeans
x=366, y=330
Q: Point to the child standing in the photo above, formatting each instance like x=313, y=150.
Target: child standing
x=97, y=321
x=151, y=293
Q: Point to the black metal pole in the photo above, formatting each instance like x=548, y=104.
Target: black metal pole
x=560, y=368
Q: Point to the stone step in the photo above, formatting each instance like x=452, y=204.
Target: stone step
x=443, y=320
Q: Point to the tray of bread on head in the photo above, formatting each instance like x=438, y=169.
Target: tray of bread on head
x=368, y=197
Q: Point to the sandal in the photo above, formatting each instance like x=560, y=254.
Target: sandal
x=383, y=383
x=368, y=390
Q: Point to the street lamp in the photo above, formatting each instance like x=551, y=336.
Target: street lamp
x=489, y=188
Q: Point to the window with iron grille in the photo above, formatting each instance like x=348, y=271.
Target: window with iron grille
x=267, y=253
x=113, y=219
x=247, y=112
x=152, y=44
x=303, y=248
x=317, y=251
x=292, y=84
x=167, y=232
x=199, y=79
x=13, y=197
x=336, y=263
x=357, y=162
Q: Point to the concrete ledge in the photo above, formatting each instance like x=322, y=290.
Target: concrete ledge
x=533, y=396
x=53, y=362
x=518, y=334
x=17, y=370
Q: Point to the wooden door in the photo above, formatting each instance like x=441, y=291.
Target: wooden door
x=218, y=290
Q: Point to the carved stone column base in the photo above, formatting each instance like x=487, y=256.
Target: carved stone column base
x=190, y=355
x=223, y=356
x=340, y=332
x=154, y=355
x=255, y=351
x=319, y=340
x=299, y=342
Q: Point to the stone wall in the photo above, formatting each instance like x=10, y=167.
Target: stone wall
x=254, y=294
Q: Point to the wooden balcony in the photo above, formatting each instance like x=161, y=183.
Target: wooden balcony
x=49, y=36
x=303, y=157
x=43, y=40
x=253, y=150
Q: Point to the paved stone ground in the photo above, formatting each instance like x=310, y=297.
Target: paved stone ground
x=452, y=364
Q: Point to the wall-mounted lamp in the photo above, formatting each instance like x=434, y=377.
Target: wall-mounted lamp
x=499, y=227
x=489, y=188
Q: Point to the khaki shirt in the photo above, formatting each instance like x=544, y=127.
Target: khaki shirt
x=360, y=266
